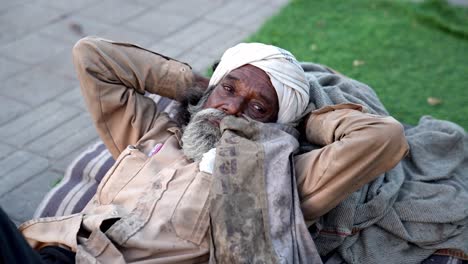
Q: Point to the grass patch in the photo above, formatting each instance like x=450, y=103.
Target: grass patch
x=406, y=51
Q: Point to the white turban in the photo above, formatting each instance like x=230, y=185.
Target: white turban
x=286, y=75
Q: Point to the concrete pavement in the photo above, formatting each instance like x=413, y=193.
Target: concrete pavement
x=43, y=121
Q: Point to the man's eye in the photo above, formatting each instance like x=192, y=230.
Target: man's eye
x=258, y=108
x=228, y=88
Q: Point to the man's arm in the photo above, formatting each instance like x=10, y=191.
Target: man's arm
x=357, y=148
x=114, y=78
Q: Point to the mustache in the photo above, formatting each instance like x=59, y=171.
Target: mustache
x=209, y=114
x=202, y=133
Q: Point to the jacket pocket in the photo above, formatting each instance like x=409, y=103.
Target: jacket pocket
x=133, y=222
x=127, y=166
x=191, y=219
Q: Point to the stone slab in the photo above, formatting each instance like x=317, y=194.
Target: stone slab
x=73, y=142
x=74, y=27
x=113, y=11
x=46, y=124
x=167, y=49
x=22, y=202
x=13, y=161
x=154, y=3
x=56, y=136
x=253, y=21
x=216, y=45
x=5, y=150
x=157, y=23
x=61, y=165
x=193, y=34
x=67, y=5
x=9, y=67
x=7, y=33
x=463, y=3
x=5, y=5
x=29, y=12
x=25, y=18
x=60, y=64
x=9, y=109
x=72, y=97
x=35, y=86
x=192, y=8
x=229, y=12
x=127, y=35
x=23, y=51
x=19, y=168
x=198, y=61
x=25, y=121
x=278, y=4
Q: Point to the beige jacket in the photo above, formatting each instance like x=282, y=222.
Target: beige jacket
x=151, y=207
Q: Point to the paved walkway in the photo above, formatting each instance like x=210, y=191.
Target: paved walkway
x=43, y=122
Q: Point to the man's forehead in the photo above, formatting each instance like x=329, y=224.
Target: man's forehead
x=249, y=73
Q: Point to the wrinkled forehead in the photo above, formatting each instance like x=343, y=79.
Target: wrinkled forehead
x=254, y=78
x=250, y=73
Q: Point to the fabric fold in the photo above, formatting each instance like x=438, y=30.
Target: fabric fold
x=255, y=209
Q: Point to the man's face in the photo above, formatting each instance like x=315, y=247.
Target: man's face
x=244, y=91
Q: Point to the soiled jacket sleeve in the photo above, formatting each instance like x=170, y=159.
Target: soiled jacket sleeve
x=357, y=148
x=114, y=77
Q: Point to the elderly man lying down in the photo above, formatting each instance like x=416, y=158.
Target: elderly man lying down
x=227, y=180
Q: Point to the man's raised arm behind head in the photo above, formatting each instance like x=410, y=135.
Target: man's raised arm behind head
x=357, y=147
x=114, y=77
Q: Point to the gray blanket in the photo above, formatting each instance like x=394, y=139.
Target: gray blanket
x=254, y=203
x=412, y=210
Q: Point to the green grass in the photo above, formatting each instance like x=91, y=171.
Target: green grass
x=410, y=51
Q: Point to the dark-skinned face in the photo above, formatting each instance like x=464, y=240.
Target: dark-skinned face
x=246, y=91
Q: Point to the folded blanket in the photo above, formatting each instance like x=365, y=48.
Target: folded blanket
x=255, y=211
x=409, y=212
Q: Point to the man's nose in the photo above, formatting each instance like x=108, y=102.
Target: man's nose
x=232, y=107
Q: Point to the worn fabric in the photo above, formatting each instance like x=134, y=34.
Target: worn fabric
x=408, y=212
x=254, y=204
x=433, y=259
x=83, y=175
x=280, y=65
x=152, y=204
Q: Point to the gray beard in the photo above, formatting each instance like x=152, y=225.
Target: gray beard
x=200, y=135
